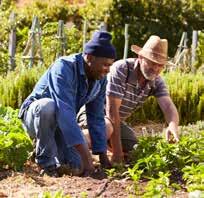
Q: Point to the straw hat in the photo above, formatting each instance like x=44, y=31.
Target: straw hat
x=155, y=49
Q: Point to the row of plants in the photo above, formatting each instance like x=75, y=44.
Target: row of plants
x=160, y=169
x=186, y=90
x=15, y=145
x=200, y=52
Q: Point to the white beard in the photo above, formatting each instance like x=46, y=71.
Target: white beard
x=147, y=75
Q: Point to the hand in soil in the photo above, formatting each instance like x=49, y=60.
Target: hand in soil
x=117, y=159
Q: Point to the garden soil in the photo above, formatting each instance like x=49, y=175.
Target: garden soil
x=28, y=183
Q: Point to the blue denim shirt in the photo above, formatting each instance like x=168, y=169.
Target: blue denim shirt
x=66, y=83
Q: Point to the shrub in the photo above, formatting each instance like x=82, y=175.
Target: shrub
x=186, y=91
x=15, y=145
x=17, y=85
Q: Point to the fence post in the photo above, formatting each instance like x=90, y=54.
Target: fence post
x=126, y=42
x=103, y=26
x=84, y=33
x=194, y=46
x=182, y=45
x=61, y=38
x=184, y=36
x=33, y=50
x=12, y=41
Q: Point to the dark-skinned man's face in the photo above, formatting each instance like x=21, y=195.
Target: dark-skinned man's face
x=99, y=67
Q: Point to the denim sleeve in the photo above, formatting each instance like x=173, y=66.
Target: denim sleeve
x=96, y=122
x=62, y=85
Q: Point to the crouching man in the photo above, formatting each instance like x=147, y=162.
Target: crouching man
x=49, y=112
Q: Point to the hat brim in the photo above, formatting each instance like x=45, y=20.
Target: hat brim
x=138, y=50
x=135, y=48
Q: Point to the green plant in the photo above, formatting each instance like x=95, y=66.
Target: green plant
x=165, y=165
x=111, y=172
x=159, y=187
x=194, y=177
x=200, y=52
x=135, y=174
x=57, y=194
x=15, y=145
x=95, y=18
x=83, y=195
x=152, y=164
x=17, y=85
x=117, y=171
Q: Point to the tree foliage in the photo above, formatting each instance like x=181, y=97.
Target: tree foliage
x=167, y=19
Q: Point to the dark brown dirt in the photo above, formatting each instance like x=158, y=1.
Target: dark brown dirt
x=28, y=183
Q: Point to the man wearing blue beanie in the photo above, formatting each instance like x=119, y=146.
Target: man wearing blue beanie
x=49, y=112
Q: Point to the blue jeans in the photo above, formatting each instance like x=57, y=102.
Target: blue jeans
x=40, y=123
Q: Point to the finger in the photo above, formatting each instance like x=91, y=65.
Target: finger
x=167, y=135
x=176, y=138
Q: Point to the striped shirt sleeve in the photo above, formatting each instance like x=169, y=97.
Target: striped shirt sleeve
x=160, y=88
x=116, y=79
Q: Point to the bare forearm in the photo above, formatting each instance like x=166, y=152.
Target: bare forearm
x=116, y=140
x=171, y=115
x=85, y=155
x=112, y=111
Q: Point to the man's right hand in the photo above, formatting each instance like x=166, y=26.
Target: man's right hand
x=117, y=159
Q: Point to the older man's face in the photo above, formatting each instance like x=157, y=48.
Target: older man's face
x=150, y=69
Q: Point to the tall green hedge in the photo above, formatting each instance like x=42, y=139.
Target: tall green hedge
x=200, y=51
x=17, y=85
x=186, y=91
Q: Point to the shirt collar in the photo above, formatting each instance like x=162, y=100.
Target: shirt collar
x=80, y=64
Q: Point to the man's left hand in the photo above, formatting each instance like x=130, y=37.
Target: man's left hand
x=171, y=134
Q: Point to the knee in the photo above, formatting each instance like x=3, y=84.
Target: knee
x=45, y=108
x=109, y=128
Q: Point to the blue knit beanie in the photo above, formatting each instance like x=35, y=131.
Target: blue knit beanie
x=100, y=45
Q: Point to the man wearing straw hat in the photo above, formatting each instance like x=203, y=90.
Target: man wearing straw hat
x=130, y=83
